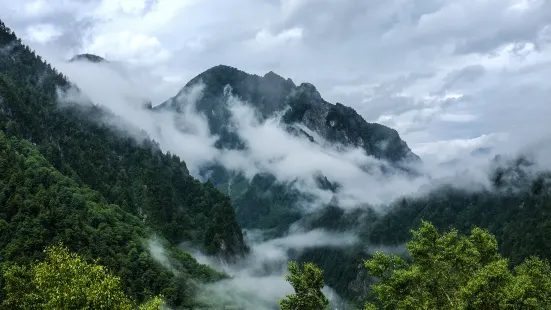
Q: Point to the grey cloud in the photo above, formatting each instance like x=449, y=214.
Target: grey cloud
x=507, y=26
x=467, y=75
x=396, y=54
x=258, y=282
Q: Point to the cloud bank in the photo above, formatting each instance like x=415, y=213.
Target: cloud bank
x=444, y=73
x=258, y=282
x=363, y=180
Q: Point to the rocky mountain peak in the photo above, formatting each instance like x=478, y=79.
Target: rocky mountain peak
x=304, y=105
x=310, y=91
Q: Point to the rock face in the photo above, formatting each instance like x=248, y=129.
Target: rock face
x=302, y=105
x=343, y=125
x=263, y=202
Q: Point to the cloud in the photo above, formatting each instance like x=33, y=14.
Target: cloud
x=42, y=33
x=132, y=47
x=158, y=252
x=266, y=40
x=382, y=58
x=450, y=76
x=125, y=93
x=258, y=282
x=363, y=180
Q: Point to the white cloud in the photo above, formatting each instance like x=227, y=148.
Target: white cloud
x=267, y=40
x=42, y=33
x=258, y=282
x=436, y=70
x=137, y=48
x=112, y=8
x=450, y=76
x=409, y=49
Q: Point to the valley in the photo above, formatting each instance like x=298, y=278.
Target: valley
x=203, y=198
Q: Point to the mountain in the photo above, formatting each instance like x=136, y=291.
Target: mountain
x=68, y=177
x=263, y=201
x=300, y=105
x=515, y=208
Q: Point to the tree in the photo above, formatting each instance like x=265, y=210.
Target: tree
x=308, y=284
x=451, y=271
x=65, y=281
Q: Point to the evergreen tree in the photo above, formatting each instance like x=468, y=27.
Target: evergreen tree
x=308, y=285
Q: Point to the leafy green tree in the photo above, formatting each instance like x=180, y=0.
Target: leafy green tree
x=64, y=281
x=453, y=271
x=308, y=284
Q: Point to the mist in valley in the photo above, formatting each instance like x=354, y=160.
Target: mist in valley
x=364, y=181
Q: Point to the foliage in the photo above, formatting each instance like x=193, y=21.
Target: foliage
x=452, y=271
x=308, y=284
x=518, y=215
x=122, y=164
x=41, y=207
x=516, y=211
x=68, y=175
x=65, y=281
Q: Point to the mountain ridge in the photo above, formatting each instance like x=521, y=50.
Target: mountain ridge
x=272, y=93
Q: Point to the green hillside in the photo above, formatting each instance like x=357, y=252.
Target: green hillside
x=66, y=176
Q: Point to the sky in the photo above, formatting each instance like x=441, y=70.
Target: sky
x=447, y=74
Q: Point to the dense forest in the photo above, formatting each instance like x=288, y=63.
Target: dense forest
x=516, y=210
x=68, y=177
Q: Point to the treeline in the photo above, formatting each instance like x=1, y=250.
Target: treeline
x=133, y=174
x=518, y=216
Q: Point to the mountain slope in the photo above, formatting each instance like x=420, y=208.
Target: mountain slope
x=88, y=57
x=135, y=175
x=301, y=104
x=132, y=182
x=263, y=201
x=40, y=207
x=515, y=209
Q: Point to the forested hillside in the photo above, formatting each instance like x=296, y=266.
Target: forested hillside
x=516, y=210
x=446, y=270
x=41, y=207
x=96, y=189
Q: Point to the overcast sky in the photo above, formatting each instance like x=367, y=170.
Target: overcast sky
x=444, y=73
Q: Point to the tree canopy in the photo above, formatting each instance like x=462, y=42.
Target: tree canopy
x=66, y=175
x=65, y=281
x=454, y=271
x=308, y=284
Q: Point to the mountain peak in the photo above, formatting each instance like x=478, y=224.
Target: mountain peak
x=88, y=57
x=272, y=76
x=302, y=104
x=219, y=69
x=310, y=91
